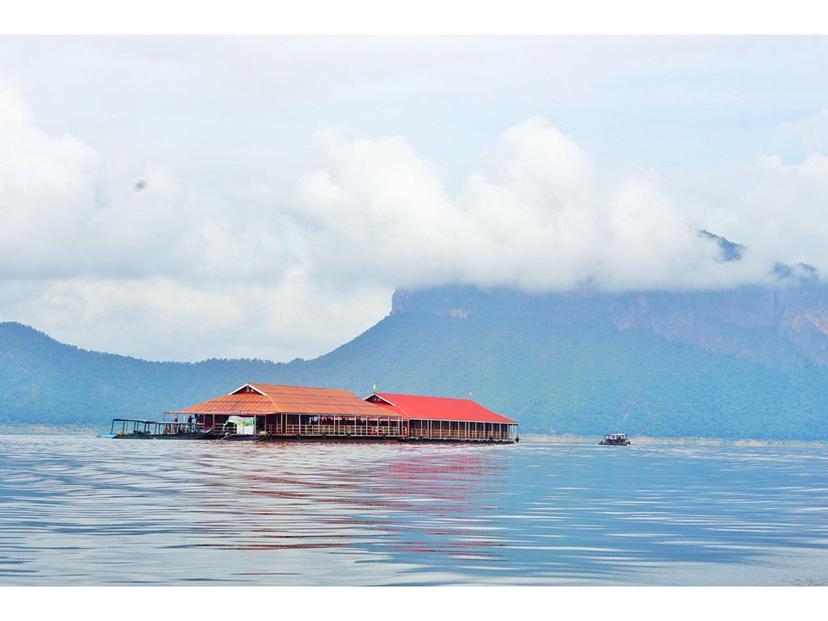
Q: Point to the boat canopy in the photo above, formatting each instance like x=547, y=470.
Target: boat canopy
x=245, y=425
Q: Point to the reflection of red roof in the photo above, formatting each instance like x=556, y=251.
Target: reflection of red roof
x=436, y=408
x=254, y=399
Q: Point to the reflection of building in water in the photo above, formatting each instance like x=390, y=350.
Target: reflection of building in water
x=304, y=412
x=441, y=500
x=392, y=499
x=447, y=482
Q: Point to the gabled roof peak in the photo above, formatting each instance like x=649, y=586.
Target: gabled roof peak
x=275, y=399
x=376, y=397
x=246, y=388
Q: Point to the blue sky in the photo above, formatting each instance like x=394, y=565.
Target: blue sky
x=314, y=175
x=652, y=101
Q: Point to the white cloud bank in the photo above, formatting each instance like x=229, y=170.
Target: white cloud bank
x=179, y=267
x=542, y=218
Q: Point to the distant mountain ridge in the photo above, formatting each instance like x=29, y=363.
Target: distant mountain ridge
x=781, y=326
x=746, y=362
x=44, y=381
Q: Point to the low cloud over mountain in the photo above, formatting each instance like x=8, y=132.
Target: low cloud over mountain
x=190, y=266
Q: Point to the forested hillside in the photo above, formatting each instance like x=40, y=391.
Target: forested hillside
x=727, y=364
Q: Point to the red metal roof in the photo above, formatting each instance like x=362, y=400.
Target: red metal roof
x=436, y=408
x=252, y=399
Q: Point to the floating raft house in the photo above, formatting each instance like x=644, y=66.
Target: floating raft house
x=285, y=412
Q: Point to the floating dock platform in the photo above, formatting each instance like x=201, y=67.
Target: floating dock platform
x=273, y=412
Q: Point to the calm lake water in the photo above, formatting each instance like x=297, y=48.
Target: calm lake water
x=76, y=510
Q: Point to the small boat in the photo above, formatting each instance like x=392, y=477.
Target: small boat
x=240, y=429
x=615, y=439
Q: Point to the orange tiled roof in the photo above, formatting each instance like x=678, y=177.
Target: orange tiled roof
x=273, y=399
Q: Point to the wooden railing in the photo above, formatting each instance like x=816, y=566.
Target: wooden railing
x=389, y=432
x=457, y=434
x=333, y=430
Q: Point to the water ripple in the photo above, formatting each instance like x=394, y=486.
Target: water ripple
x=87, y=511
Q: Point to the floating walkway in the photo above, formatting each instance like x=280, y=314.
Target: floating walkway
x=150, y=429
